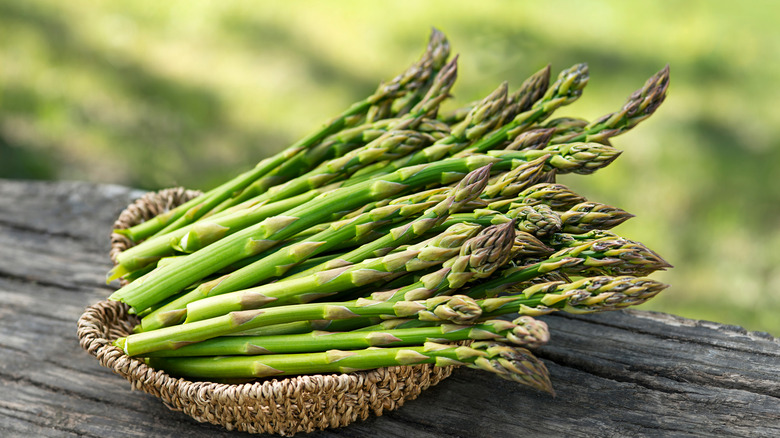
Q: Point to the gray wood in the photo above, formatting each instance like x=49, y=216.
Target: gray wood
x=628, y=373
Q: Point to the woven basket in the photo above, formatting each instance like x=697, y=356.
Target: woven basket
x=279, y=406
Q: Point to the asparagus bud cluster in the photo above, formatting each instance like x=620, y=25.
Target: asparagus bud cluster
x=396, y=234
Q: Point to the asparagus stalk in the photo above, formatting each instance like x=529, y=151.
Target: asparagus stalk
x=478, y=258
x=531, y=140
x=510, y=183
x=639, y=106
x=538, y=220
x=568, y=240
x=466, y=191
x=588, y=216
x=557, y=197
x=523, y=331
x=458, y=309
x=505, y=185
x=531, y=91
x=609, y=255
x=587, y=295
x=511, y=363
x=337, y=145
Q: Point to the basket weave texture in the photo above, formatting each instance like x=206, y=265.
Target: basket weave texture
x=279, y=406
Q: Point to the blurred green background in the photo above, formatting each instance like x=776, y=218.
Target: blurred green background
x=157, y=94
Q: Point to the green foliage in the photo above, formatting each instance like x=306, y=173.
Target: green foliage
x=153, y=95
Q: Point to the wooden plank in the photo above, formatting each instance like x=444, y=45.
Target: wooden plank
x=624, y=373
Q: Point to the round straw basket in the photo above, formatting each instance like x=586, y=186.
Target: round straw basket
x=279, y=406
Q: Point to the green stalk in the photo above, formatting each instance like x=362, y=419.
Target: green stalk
x=335, y=146
x=564, y=91
x=588, y=216
x=531, y=90
x=587, y=295
x=556, y=196
x=456, y=309
x=531, y=140
x=394, y=236
x=606, y=256
x=511, y=363
x=639, y=106
x=523, y=331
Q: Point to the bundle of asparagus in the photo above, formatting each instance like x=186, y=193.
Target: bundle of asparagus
x=395, y=235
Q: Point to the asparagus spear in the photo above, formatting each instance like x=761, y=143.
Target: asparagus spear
x=537, y=220
x=639, y=106
x=564, y=91
x=479, y=258
x=531, y=140
x=506, y=184
x=587, y=295
x=531, y=91
x=609, y=255
x=510, y=183
x=458, y=309
x=468, y=189
x=587, y=216
x=523, y=331
x=569, y=240
x=511, y=363
x=556, y=196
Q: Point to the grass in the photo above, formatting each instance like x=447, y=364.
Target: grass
x=190, y=93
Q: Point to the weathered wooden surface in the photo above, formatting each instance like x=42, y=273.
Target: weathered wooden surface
x=626, y=373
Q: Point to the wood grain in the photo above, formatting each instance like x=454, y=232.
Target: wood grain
x=628, y=373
